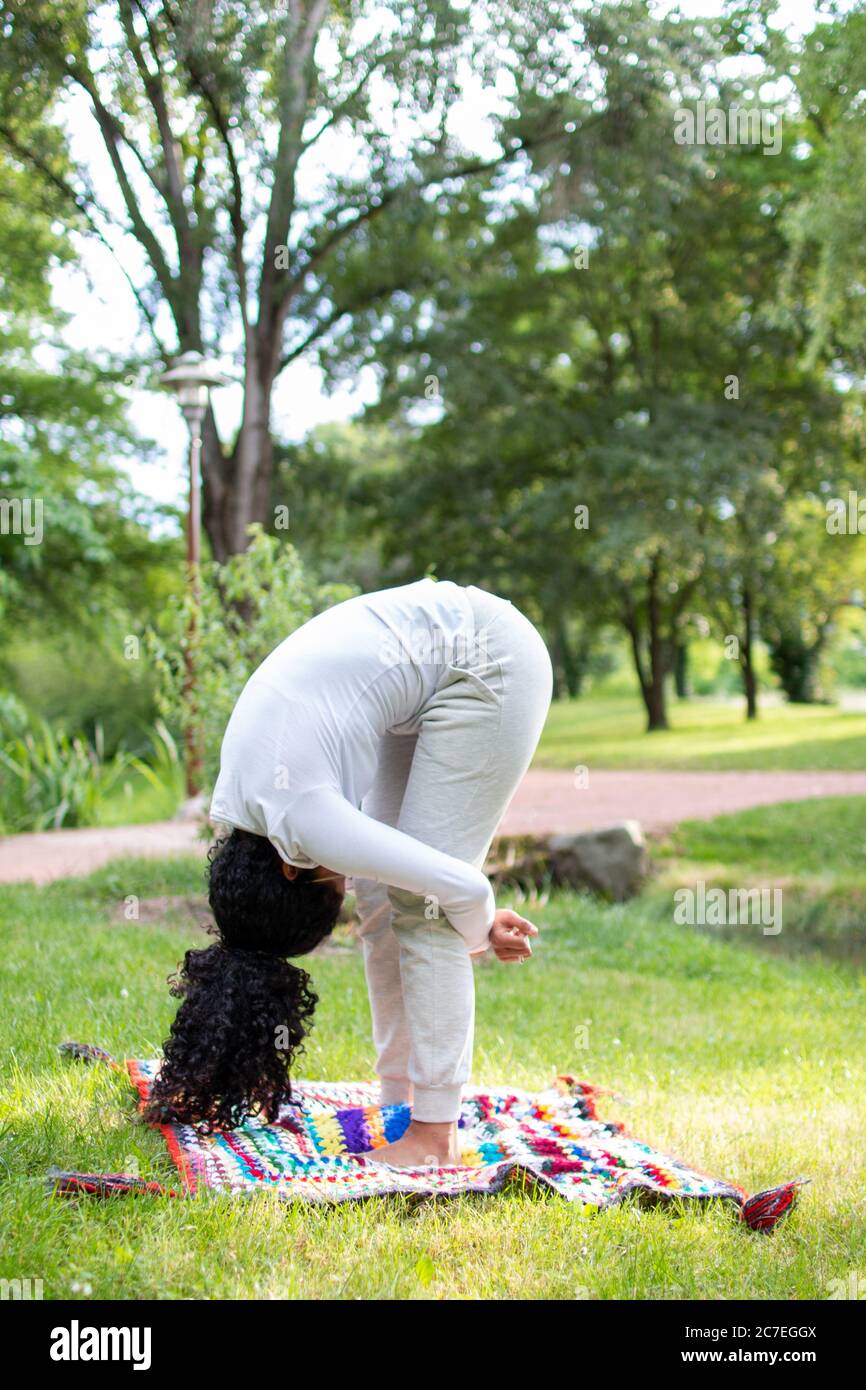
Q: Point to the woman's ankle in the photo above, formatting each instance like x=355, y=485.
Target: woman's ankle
x=438, y=1138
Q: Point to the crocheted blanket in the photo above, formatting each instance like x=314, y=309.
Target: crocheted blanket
x=322, y=1148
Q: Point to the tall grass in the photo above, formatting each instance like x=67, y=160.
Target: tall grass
x=50, y=778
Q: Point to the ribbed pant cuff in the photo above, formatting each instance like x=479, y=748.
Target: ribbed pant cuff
x=394, y=1090
x=436, y=1104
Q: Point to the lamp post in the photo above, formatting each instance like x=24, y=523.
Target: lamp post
x=191, y=380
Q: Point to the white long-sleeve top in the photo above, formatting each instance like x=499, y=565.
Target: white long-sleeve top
x=301, y=747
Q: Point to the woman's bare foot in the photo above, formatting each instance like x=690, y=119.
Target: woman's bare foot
x=421, y=1144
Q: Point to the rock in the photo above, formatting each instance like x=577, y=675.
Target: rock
x=612, y=861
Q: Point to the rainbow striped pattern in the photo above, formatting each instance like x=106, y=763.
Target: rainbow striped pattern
x=323, y=1149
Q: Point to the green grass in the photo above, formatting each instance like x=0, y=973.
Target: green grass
x=750, y=1064
x=814, y=851
x=609, y=732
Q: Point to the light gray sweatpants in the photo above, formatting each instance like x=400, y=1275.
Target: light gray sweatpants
x=447, y=785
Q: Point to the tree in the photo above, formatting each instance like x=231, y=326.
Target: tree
x=321, y=503
x=276, y=164
x=82, y=559
x=612, y=344
x=827, y=224
x=740, y=558
x=816, y=573
x=73, y=532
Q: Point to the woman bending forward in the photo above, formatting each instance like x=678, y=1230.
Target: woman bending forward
x=381, y=741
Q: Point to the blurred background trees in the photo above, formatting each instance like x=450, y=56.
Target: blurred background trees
x=617, y=378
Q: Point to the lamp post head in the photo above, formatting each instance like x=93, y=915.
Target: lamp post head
x=191, y=380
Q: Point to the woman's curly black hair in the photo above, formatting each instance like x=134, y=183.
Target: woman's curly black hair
x=245, y=1008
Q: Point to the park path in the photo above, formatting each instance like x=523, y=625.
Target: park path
x=547, y=801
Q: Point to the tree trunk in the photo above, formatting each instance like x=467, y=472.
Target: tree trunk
x=215, y=480
x=750, y=685
x=237, y=487
x=652, y=681
x=747, y=663
x=656, y=704
x=568, y=665
x=681, y=670
x=655, y=699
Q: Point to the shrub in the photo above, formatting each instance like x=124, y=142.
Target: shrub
x=48, y=777
x=246, y=607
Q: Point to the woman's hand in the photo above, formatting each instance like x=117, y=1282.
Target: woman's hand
x=509, y=936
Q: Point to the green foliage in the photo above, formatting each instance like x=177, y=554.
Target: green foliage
x=847, y=660
x=52, y=779
x=615, y=342
x=63, y=433
x=517, y=380
x=49, y=778
x=246, y=607
x=216, y=121
x=814, y=574
x=160, y=769
x=80, y=684
x=827, y=224
x=319, y=494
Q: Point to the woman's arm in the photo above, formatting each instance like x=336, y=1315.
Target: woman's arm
x=342, y=838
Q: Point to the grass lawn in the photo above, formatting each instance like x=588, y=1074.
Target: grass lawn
x=814, y=852
x=609, y=732
x=749, y=1062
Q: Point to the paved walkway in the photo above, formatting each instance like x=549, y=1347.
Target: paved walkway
x=547, y=801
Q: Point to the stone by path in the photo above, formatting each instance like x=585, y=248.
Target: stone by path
x=547, y=801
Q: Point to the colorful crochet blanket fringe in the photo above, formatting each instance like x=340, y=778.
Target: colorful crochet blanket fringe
x=322, y=1149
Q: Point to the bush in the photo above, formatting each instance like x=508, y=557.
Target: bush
x=77, y=681
x=246, y=608
x=49, y=778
